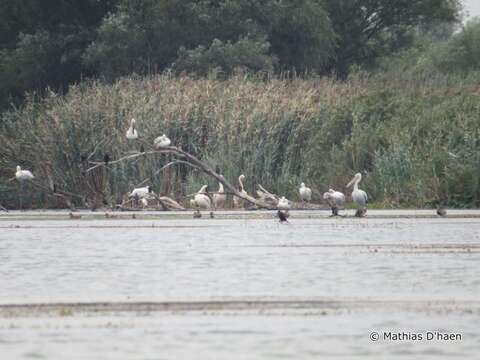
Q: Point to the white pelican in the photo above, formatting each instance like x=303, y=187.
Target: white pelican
x=283, y=207
x=132, y=133
x=141, y=192
x=305, y=193
x=239, y=202
x=161, y=141
x=283, y=204
x=359, y=196
x=74, y=216
x=220, y=197
x=201, y=199
x=23, y=175
x=335, y=199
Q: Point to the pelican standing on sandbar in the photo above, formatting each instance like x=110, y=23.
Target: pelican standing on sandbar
x=201, y=200
x=239, y=202
x=220, y=197
x=132, y=133
x=335, y=199
x=305, y=193
x=359, y=196
x=283, y=207
x=141, y=192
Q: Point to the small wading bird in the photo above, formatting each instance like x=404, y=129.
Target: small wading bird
x=220, y=197
x=305, y=193
x=161, y=141
x=239, y=202
x=359, y=196
x=335, y=199
x=283, y=207
x=132, y=133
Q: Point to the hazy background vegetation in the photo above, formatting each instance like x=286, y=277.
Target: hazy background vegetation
x=283, y=91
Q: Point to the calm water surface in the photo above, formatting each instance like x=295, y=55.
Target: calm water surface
x=178, y=260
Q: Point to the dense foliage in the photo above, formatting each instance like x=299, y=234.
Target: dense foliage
x=282, y=90
x=56, y=42
x=417, y=143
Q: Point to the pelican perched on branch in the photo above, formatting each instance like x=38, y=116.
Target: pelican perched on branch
x=305, y=193
x=239, y=202
x=335, y=199
x=161, y=141
x=220, y=197
x=359, y=196
x=201, y=200
x=132, y=133
x=23, y=175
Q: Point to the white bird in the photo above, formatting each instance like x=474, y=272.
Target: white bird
x=239, y=202
x=305, y=193
x=144, y=202
x=359, y=196
x=142, y=192
x=132, y=133
x=23, y=175
x=283, y=204
x=220, y=197
x=161, y=141
x=201, y=199
x=335, y=199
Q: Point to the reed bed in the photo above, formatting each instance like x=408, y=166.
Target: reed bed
x=417, y=144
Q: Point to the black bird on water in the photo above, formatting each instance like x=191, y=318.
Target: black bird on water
x=283, y=216
x=142, y=148
x=441, y=211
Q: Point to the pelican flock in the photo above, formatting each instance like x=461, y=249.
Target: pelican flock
x=359, y=196
x=201, y=199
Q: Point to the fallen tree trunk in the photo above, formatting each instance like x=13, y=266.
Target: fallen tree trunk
x=194, y=162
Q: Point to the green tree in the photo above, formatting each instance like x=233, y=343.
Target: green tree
x=226, y=57
x=366, y=28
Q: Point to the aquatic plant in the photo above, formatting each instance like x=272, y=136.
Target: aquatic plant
x=416, y=143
